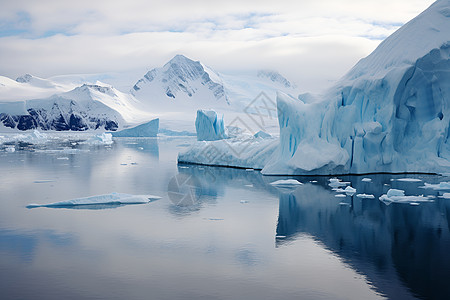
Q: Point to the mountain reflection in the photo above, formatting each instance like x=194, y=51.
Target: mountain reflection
x=402, y=249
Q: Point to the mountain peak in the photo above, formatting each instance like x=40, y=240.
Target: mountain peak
x=275, y=77
x=24, y=78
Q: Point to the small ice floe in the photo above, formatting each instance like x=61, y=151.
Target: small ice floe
x=249, y=185
x=63, y=158
x=43, y=181
x=366, y=180
x=340, y=196
x=409, y=179
x=249, y=170
x=113, y=198
x=141, y=148
x=244, y=201
x=350, y=191
x=440, y=186
x=365, y=196
x=134, y=163
x=280, y=236
x=123, y=164
x=313, y=181
x=445, y=196
x=344, y=203
x=183, y=167
x=215, y=219
x=10, y=149
x=398, y=196
x=100, y=139
x=336, y=182
x=286, y=183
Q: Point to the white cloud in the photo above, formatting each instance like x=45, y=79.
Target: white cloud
x=309, y=41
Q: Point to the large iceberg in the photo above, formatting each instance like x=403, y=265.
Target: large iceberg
x=389, y=113
x=210, y=126
x=149, y=129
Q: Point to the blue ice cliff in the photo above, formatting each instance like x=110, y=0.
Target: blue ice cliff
x=389, y=113
x=209, y=126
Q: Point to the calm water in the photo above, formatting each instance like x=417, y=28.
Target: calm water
x=240, y=239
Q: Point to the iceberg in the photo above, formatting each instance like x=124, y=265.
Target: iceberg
x=398, y=196
x=440, y=186
x=149, y=129
x=286, y=182
x=100, y=139
x=210, y=126
x=389, y=113
x=113, y=198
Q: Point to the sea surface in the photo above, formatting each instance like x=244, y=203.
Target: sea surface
x=216, y=233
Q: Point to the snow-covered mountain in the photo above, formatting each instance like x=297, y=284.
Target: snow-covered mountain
x=180, y=78
x=186, y=84
x=29, y=87
x=85, y=107
x=390, y=113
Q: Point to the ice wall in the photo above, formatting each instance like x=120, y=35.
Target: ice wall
x=149, y=129
x=390, y=113
x=210, y=126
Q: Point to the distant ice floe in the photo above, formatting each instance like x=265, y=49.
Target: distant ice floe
x=336, y=183
x=350, y=191
x=286, y=183
x=439, y=186
x=408, y=179
x=113, y=198
x=366, y=180
x=398, y=196
x=365, y=196
x=100, y=139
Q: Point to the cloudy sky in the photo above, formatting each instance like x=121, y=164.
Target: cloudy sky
x=309, y=41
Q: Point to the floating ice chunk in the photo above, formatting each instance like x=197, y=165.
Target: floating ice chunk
x=249, y=185
x=446, y=196
x=149, y=129
x=244, y=201
x=440, y=186
x=365, y=196
x=286, y=182
x=263, y=135
x=63, y=158
x=398, y=196
x=340, y=195
x=10, y=149
x=335, y=183
x=409, y=179
x=113, y=198
x=395, y=192
x=349, y=190
x=43, y=181
x=249, y=170
x=101, y=139
x=366, y=180
x=210, y=126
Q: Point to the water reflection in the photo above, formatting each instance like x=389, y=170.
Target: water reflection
x=394, y=246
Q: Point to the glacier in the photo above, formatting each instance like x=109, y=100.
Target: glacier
x=210, y=126
x=389, y=113
x=149, y=129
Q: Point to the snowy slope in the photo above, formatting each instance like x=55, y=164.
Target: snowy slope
x=30, y=87
x=83, y=108
x=182, y=86
x=180, y=81
x=390, y=113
